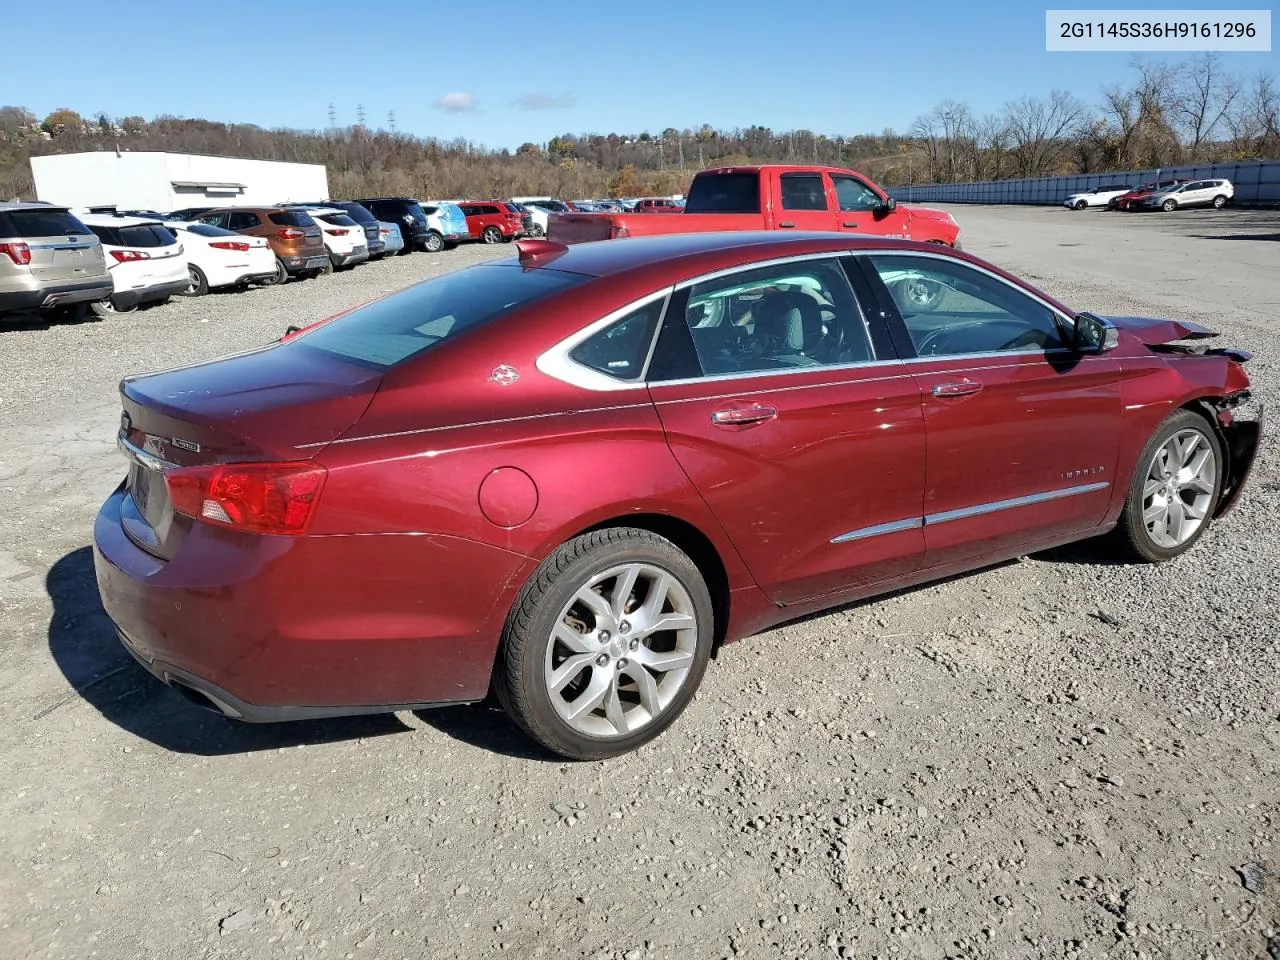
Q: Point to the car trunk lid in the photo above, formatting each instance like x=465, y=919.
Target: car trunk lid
x=60, y=246
x=247, y=408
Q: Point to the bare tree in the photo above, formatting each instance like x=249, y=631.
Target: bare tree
x=1203, y=99
x=1040, y=131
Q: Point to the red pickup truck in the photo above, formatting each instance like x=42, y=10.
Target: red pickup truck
x=774, y=197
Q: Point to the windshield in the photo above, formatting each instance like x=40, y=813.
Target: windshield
x=405, y=324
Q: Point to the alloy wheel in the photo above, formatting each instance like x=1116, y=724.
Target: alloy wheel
x=1178, y=492
x=621, y=649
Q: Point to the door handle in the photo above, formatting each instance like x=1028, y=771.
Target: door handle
x=961, y=388
x=787, y=224
x=848, y=224
x=743, y=415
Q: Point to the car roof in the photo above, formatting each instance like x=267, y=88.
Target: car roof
x=31, y=205
x=114, y=220
x=710, y=251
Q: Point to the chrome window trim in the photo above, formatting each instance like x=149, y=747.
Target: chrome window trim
x=775, y=261
x=556, y=362
x=990, y=355
x=141, y=457
x=790, y=371
x=880, y=529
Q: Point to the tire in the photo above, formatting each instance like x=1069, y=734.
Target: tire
x=536, y=231
x=434, y=243
x=1169, y=206
x=105, y=308
x=1157, y=541
x=1081, y=204
x=491, y=235
x=199, y=284
x=1219, y=202
x=281, y=277
x=406, y=249
x=602, y=665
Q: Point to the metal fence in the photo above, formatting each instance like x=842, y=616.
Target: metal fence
x=1257, y=184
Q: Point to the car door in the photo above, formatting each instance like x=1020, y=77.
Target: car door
x=1023, y=432
x=798, y=425
x=858, y=208
x=804, y=202
x=1200, y=193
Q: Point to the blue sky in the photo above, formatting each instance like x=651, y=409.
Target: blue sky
x=499, y=72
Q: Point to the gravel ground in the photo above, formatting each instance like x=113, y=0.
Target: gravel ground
x=1060, y=757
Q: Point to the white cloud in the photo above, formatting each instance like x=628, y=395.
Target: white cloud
x=541, y=100
x=456, y=103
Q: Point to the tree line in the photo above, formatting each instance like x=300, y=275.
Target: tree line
x=1167, y=113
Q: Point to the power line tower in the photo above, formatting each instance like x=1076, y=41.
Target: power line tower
x=360, y=114
x=333, y=116
x=391, y=120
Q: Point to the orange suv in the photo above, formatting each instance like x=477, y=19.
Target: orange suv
x=294, y=237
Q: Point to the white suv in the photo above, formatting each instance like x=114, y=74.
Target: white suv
x=343, y=237
x=146, y=262
x=1097, y=197
x=1196, y=193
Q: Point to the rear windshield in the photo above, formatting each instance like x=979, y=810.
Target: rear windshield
x=429, y=208
x=724, y=193
x=514, y=207
x=207, y=230
x=555, y=205
x=140, y=235
x=359, y=213
x=405, y=324
x=39, y=223
x=291, y=218
x=339, y=220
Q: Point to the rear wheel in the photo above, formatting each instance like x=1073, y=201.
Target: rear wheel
x=491, y=235
x=1219, y=202
x=434, y=242
x=1169, y=206
x=199, y=285
x=1174, y=490
x=107, y=308
x=606, y=645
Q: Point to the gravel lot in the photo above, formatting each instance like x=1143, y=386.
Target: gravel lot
x=1060, y=757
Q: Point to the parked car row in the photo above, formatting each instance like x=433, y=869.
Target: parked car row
x=1167, y=195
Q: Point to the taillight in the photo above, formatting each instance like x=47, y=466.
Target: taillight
x=272, y=498
x=290, y=233
x=19, y=253
x=128, y=256
x=340, y=231
x=383, y=232
x=230, y=245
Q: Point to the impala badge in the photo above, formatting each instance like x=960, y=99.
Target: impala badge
x=153, y=446
x=504, y=375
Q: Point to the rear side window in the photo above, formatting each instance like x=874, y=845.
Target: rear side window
x=40, y=223
x=244, y=221
x=291, y=218
x=724, y=193
x=406, y=324
x=146, y=235
x=621, y=349
x=803, y=191
x=430, y=209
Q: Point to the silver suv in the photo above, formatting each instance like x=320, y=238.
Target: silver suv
x=49, y=260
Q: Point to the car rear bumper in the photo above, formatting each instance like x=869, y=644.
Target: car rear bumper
x=272, y=628
x=347, y=259
x=376, y=247
x=255, y=278
x=55, y=295
x=302, y=264
x=161, y=291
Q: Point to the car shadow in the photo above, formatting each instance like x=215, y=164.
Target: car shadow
x=19, y=322
x=487, y=726
x=1094, y=552
x=83, y=643
x=1237, y=236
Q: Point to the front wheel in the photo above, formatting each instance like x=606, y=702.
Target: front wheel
x=434, y=242
x=1169, y=206
x=198, y=285
x=1174, y=490
x=606, y=645
x=1219, y=202
x=491, y=235
x=106, y=308
x=1081, y=204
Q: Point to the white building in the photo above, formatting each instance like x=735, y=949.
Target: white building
x=171, y=181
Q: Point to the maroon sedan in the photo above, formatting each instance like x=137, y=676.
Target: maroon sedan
x=567, y=477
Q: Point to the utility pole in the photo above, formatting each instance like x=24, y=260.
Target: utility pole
x=680, y=147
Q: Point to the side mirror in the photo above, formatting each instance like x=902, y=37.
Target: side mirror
x=886, y=208
x=1093, y=334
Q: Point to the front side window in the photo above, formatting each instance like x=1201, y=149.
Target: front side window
x=215, y=219
x=781, y=317
x=803, y=191
x=951, y=309
x=395, y=328
x=621, y=349
x=854, y=195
